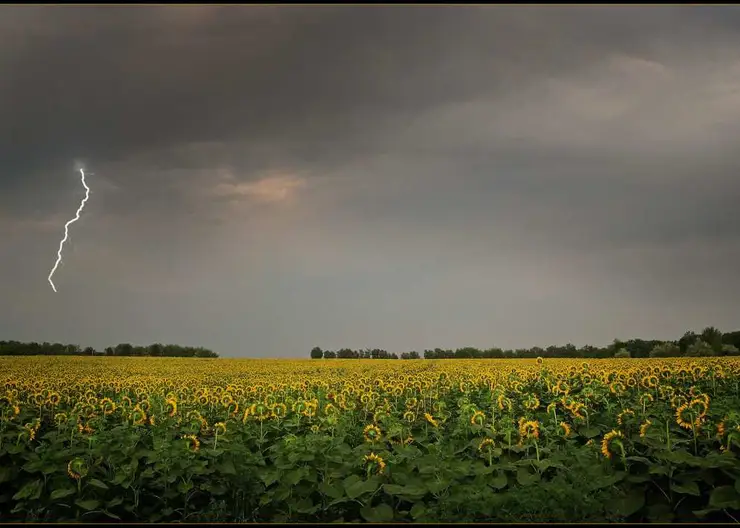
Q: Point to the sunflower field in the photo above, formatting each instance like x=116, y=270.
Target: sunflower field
x=170, y=439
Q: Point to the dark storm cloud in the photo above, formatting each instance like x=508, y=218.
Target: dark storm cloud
x=392, y=158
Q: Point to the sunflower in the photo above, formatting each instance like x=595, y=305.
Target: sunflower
x=503, y=402
x=53, y=398
x=310, y=410
x=371, y=433
x=699, y=406
x=565, y=428
x=486, y=443
x=380, y=414
x=232, y=409
x=60, y=418
x=685, y=418
x=219, y=428
x=171, y=406
x=138, y=416
x=32, y=428
x=108, y=406
x=429, y=418
x=315, y=428
x=145, y=405
x=374, y=461
x=613, y=436
x=478, y=418
x=193, y=442
x=721, y=429
x=644, y=427
x=531, y=402
x=77, y=468
x=529, y=429
x=279, y=410
x=625, y=412
x=262, y=412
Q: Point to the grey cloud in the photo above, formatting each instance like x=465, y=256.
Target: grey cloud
x=475, y=169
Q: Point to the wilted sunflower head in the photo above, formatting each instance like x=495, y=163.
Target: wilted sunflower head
x=486, y=444
x=478, y=418
x=192, y=442
x=644, y=427
x=61, y=418
x=611, y=438
x=279, y=410
x=107, y=406
x=138, y=416
x=565, y=429
x=77, y=468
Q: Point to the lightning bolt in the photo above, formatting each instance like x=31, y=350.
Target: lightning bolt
x=66, y=228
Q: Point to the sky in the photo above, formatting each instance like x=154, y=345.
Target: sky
x=269, y=179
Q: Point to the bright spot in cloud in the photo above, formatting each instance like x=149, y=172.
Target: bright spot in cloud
x=270, y=189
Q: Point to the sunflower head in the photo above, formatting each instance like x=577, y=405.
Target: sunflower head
x=138, y=416
x=371, y=433
x=77, y=468
x=611, y=439
x=279, y=410
x=529, y=429
x=429, y=418
x=192, y=442
x=644, y=427
x=487, y=444
x=565, y=429
x=686, y=417
x=373, y=461
x=625, y=415
x=478, y=418
x=107, y=406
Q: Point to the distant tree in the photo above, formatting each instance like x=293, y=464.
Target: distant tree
x=713, y=337
x=414, y=355
x=666, y=349
x=687, y=340
x=345, y=353
x=699, y=348
x=622, y=353
x=731, y=338
x=317, y=353
x=329, y=354
x=730, y=350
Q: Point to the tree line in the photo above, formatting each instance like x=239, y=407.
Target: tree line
x=708, y=342
x=16, y=348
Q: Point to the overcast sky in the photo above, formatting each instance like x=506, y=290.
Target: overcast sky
x=269, y=179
